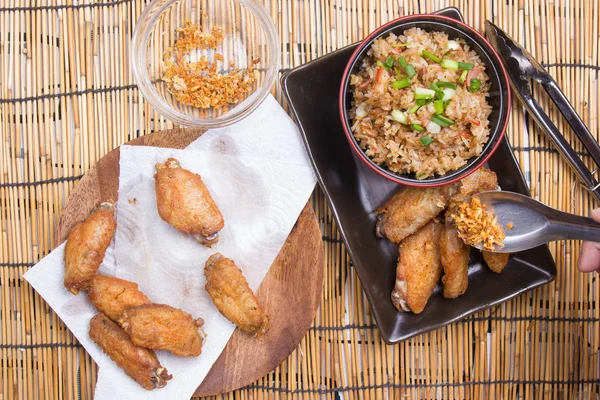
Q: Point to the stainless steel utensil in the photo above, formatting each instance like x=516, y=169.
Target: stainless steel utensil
x=535, y=223
x=521, y=67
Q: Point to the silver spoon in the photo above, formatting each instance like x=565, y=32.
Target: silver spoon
x=534, y=223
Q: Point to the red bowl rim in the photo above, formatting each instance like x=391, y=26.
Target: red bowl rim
x=370, y=163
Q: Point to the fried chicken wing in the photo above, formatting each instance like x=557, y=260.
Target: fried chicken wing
x=455, y=261
x=230, y=292
x=410, y=209
x=495, y=261
x=183, y=201
x=139, y=363
x=111, y=296
x=479, y=181
x=419, y=268
x=162, y=327
x=86, y=246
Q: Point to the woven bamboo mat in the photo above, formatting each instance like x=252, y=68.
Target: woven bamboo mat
x=67, y=97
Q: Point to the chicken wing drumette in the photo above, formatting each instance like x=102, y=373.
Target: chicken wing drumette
x=419, y=268
x=410, y=209
x=454, y=252
x=495, y=261
x=139, y=363
x=112, y=296
x=86, y=246
x=230, y=292
x=480, y=181
x=455, y=261
x=162, y=327
x=183, y=201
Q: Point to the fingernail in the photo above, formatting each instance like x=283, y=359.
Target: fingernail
x=595, y=213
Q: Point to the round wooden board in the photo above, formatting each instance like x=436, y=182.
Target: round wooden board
x=290, y=292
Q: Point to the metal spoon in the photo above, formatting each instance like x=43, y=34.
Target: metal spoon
x=534, y=223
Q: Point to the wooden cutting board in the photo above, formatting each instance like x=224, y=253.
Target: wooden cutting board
x=290, y=292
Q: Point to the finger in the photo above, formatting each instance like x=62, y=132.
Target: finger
x=595, y=214
x=589, y=258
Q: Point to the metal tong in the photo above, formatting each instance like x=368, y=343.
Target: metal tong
x=521, y=67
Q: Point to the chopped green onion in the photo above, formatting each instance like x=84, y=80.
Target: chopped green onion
x=438, y=93
x=448, y=94
x=389, y=62
x=397, y=72
x=463, y=76
x=422, y=93
x=439, y=122
x=414, y=109
x=399, y=116
x=401, y=83
x=423, y=96
x=421, y=175
x=439, y=106
x=475, y=83
x=466, y=66
x=400, y=45
x=453, y=45
x=422, y=102
x=380, y=64
x=409, y=69
x=417, y=127
x=446, y=104
x=431, y=56
x=433, y=127
x=426, y=140
x=442, y=121
x=449, y=64
x=442, y=84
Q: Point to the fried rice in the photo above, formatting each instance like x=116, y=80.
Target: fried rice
x=402, y=129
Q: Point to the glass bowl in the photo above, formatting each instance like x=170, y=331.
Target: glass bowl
x=250, y=40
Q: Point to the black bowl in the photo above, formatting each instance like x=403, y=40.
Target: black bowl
x=499, y=97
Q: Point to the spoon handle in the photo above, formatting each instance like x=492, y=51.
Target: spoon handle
x=563, y=226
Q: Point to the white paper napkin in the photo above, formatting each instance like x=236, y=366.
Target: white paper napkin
x=259, y=175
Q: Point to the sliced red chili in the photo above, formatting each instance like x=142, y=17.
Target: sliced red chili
x=378, y=74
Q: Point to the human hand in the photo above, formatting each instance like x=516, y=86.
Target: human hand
x=589, y=257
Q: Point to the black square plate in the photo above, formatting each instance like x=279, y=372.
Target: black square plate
x=354, y=192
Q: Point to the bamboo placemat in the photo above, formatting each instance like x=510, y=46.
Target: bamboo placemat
x=67, y=97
